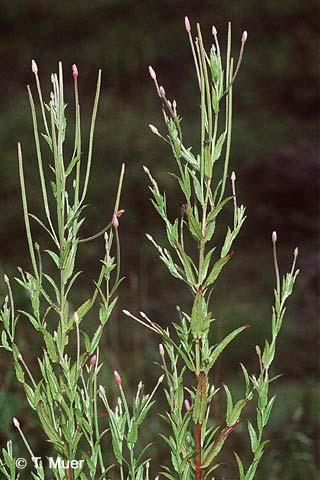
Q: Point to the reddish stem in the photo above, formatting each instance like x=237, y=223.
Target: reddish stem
x=69, y=474
x=198, y=450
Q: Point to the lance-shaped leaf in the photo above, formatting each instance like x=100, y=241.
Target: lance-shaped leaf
x=216, y=270
x=218, y=349
x=218, y=444
x=200, y=317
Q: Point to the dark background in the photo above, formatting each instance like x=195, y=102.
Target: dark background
x=274, y=153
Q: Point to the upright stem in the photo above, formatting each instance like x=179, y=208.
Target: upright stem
x=198, y=452
x=95, y=407
x=197, y=357
x=25, y=213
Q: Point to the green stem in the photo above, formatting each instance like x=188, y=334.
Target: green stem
x=91, y=135
x=95, y=407
x=198, y=358
x=96, y=235
x=42, y=104
x=117, y=202
x=229, y=130
x=40, y=163
x=207, y=87
x=25, y=213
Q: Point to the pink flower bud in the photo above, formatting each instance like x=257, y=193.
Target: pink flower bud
x=154, y=129
x=120, y=212
x=16, y=423
x=161, y=350
x=187, y=405
x=244, y=36
x=93, y=360
x=152, y=73
x=34, y=67
x=187, y=24
x=75, y=72
x=162, y=91
x=117, y=377
x=214, y=31
x=115, y=221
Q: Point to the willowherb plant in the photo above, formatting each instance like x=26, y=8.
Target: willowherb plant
x=195, y=441
x=64, y=391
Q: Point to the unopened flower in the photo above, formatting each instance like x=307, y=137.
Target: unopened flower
x=274, y=236
x=15, y=422
x=244, y=36
x=117, y=377
x=187, y=405
x=161, y=349
x=115, y=221
x=75, y=72
x=154, y=129
x=152, y=73
x=162, y=91
x=93, y=360
x=120, y=212
x=214, y=31
x=187, y=24
x=34, y=67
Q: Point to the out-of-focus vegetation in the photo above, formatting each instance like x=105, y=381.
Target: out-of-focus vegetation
x=274, y=154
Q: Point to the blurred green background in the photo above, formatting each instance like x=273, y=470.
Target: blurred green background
x=275, y=156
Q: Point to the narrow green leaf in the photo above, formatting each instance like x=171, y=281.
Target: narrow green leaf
x=216, y=270
x=218, y=349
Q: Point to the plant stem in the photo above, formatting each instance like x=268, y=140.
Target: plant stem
x=198, y=452
x=95, y=407
x=25, y=213
x=69, y=474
